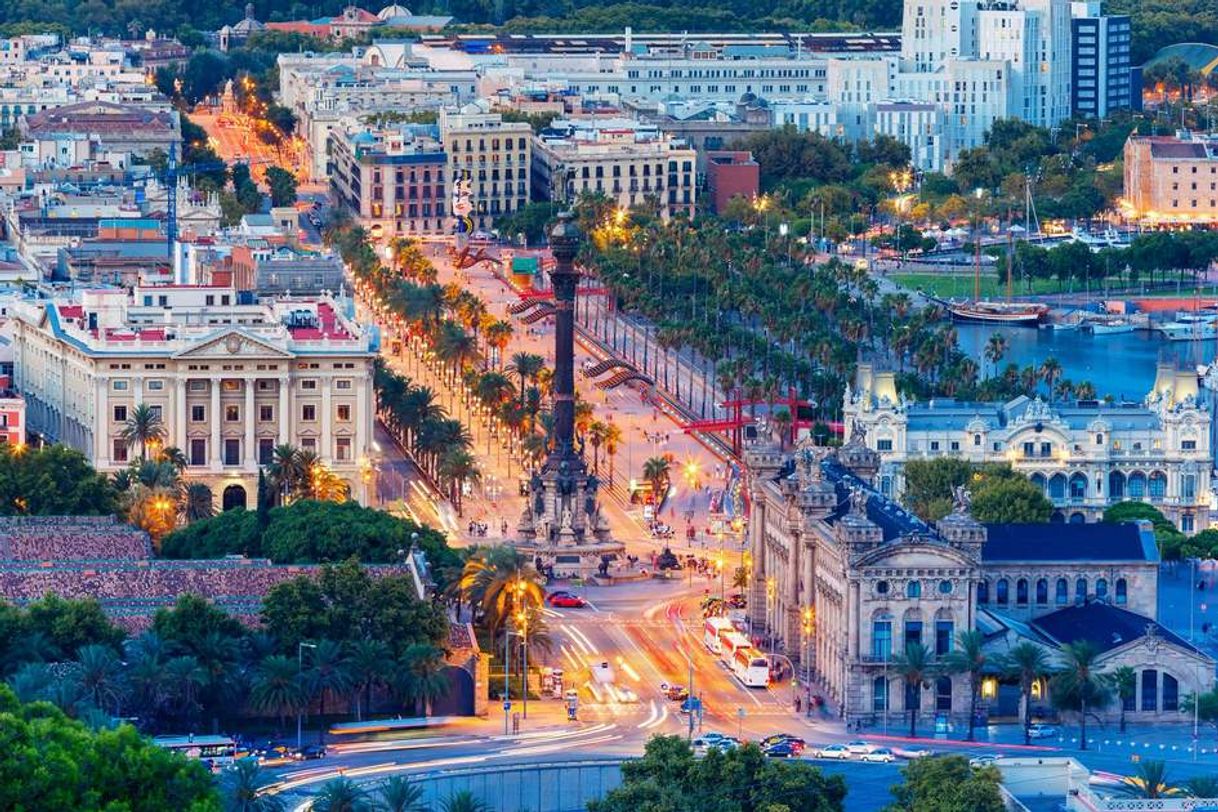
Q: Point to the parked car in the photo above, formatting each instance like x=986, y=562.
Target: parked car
x=783, y=749
x=703, y=744
x=837, y=751
x=781, y=737
x=737, y=600
x=1042, y=731
x=859, y=747
x=880, y=755
x=984, y=760
x=565, y=600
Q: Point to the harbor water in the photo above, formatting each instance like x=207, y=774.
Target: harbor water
x=1122, y=364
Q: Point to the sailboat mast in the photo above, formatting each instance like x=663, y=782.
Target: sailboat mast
x=977, y=266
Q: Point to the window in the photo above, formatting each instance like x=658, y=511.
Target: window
x=1121, y=592
x=1130, y=703
x=913, y=589
x=266, y=413
x=342, y=449
x=1188, y=445
x=232, y=451
x=879, y=695
x=913, y=696
x=881, y=639
x=1080, y=591
x=156, y=385
x=118, y=386
x=198, y=414
x=1042, y=592
x=1150, y=690
x=120, y=414
x=155, y=411
x=266, y=451
x=1101, y=589
x=1021, y=592
x=983, y=592
x=1002, y=591
x=943, y=694
x=120, y=450
x=883, y=445
x=913, y=632
x=881, y=588
x=232, y=414
x=198, y=451
x=308, y=412
x=944, y=630
x=976, y=441
x=1171, y=693
x=342, y=383
x=1062, y=592
x=945, y=587
x=308, y=443
x=344, y=413
x=310, y=383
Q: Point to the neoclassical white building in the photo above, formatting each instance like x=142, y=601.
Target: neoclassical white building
x=1085, y=455
x=844, y=580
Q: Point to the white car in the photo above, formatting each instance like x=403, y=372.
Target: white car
x=704, y=745
x=986, y=760
x=1042, y=732
x=913, y=752
x=859, y=747
x=602, y=672
x=626, y=694
x=880, y=755
x=837, y=751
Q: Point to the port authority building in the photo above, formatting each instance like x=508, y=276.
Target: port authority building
x=826, y=545
x=1086, y=455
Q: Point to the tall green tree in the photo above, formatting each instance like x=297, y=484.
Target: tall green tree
x=1027, y=663
x=968, y=657
x=947, y=784
x=283, y=186
x=1080, y=685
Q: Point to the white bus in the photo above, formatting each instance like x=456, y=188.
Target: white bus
x=751, y=667
x=711, y=631
x=730, y=642
x=213, y=750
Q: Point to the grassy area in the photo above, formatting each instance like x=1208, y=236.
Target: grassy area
x=946, y=286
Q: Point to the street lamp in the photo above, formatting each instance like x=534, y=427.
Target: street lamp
x=808, y=618
x=300, y=647
x=522, y=623
x=771, y=602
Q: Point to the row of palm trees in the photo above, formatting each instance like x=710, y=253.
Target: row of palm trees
x=244, y=787
x=1076, y=683
x=170, y=685
x=1028, y=379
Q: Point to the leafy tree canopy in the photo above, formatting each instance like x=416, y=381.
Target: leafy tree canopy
x=1170, y=540
x=53, y=628
x=51, y=481
x=1000, y=495
x=946, y=784
x=51, y=762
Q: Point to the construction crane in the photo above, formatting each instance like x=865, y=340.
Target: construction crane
x=170, y=180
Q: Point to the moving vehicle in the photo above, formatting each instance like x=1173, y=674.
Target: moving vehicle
x=984, y=760
x=783, y=749
x=1042, y=732
x=859, y=747
x=781, y=737
x=712, y=631
x=623, y=694
x=751, y=667
x=311, y=752
x=565, y=600
x=913, y=752
x=602, y=672
x=677, y=693
x=880, y=755
x=837, y=751
x=705, y=744
x=216, y=750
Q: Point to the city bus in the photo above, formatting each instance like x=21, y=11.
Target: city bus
x=215, y=750
x=751, y=667
x=730, y=642
x=715, y=626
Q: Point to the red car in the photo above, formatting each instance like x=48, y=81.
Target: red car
x=565, y=600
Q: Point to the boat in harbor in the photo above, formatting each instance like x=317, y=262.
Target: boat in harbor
x=1190, y=330
x=1028, y=314
x=1112, y=327
x=1109, y=238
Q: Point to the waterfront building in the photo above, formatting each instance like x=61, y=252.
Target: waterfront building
x=230, y=379
x=394, y=180
x=1101, y=75
x=843, y=580
x=629, y=162
x=491, y=157
x=1172, y=179
x=1085, y=455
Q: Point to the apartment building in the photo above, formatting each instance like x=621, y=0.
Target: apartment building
x=230, y=380
x=634, y=164
x=395, y=180
x=1101, y=77
x=494, y=157
x=1172, y=179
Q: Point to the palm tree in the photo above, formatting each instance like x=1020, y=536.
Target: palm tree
x=286, y=471
x=185, y=678
x=500, y=582
x=596, y=436
x=915, y=668
x=399, y=795
x=100, y=674
x=464, y=801
x=421, y=678
x=341, y=795
x=968, y=657
x=527, y=365
x=242, y=785
x=328, y=671
x=782, y=424
x=457, y=468
x=1202, y=786
x=198, y=503
x=174, y=456
x=996, y=349
x=613, y=439
x=656, y=472
x=1125, y=685
x=371, y=663
x=498, y=334
x=1148, y=781
x=144, y=426
x=1026, y=663
x=277, y=688
x=1050, y=369
x=1080, y=684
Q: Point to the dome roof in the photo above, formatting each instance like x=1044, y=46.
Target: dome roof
x=393, y=10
